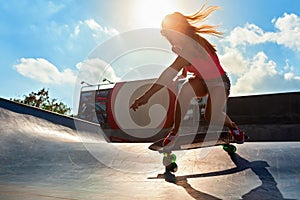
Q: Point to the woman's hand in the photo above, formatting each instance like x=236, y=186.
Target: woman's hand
x=139, y=102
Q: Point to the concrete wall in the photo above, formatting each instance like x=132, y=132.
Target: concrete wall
x=266, y=109
x=63, y=120
x=273, y=117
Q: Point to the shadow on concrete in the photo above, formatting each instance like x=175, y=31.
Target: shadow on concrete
x=193, y=192
x=267, y=190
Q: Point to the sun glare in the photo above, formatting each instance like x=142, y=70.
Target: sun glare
x=150, y=13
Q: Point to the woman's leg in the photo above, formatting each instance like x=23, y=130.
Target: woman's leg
x=215, y=106
x=215, y=112
x=193, y=88
x=190, y=89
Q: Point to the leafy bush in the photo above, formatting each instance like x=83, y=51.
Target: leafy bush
x=42, y=100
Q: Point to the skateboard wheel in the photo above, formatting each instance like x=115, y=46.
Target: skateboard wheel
x=229, y=148
x=173, y=158
x=172, y=167
x=168, y=159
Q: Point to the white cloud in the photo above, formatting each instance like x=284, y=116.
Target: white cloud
x=54, y=8
x=94, y=70
x=41, y=70
x=289, y=31
x=259, y=68
x=288, y=76
x=92, y=24
x=249, y=34
x=233, y=61
x=287, y=34
x=259, y=74
x=76, y=31
x=90, y=28
x=98, y=29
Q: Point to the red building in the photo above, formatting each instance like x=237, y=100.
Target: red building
x=108, y=105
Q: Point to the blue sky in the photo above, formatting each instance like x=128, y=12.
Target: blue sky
x=42, y=43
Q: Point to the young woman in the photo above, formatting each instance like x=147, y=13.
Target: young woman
x=198, y=57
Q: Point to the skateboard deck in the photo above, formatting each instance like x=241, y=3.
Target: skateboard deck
x=194, y=141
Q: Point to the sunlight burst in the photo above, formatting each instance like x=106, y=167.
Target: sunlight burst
x=150, y=13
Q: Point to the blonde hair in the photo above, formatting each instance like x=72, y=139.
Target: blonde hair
x=180, y=22
x=201, y=16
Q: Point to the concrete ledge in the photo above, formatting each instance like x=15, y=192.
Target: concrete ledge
x=73, y=123
x=265, y=109
x=272, y=132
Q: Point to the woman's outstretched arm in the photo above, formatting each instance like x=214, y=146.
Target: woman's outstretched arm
x=163, y=80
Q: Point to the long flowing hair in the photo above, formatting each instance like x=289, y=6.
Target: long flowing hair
x=180, y=22
x=200, y=16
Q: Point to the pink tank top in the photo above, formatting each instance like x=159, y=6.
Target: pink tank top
x=206, y=68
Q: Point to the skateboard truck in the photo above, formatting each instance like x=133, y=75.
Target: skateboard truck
x=187, y=142
x=169, y=161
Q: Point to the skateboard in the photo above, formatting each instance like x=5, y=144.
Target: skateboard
x=193, y=141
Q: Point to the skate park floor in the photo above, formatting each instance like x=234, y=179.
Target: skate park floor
x=42, y=160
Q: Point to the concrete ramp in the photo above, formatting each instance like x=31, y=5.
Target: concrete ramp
x=43, y=160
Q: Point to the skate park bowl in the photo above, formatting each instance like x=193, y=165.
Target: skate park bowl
x=44, y=156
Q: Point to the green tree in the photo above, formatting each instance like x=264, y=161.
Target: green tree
x=42, y=100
